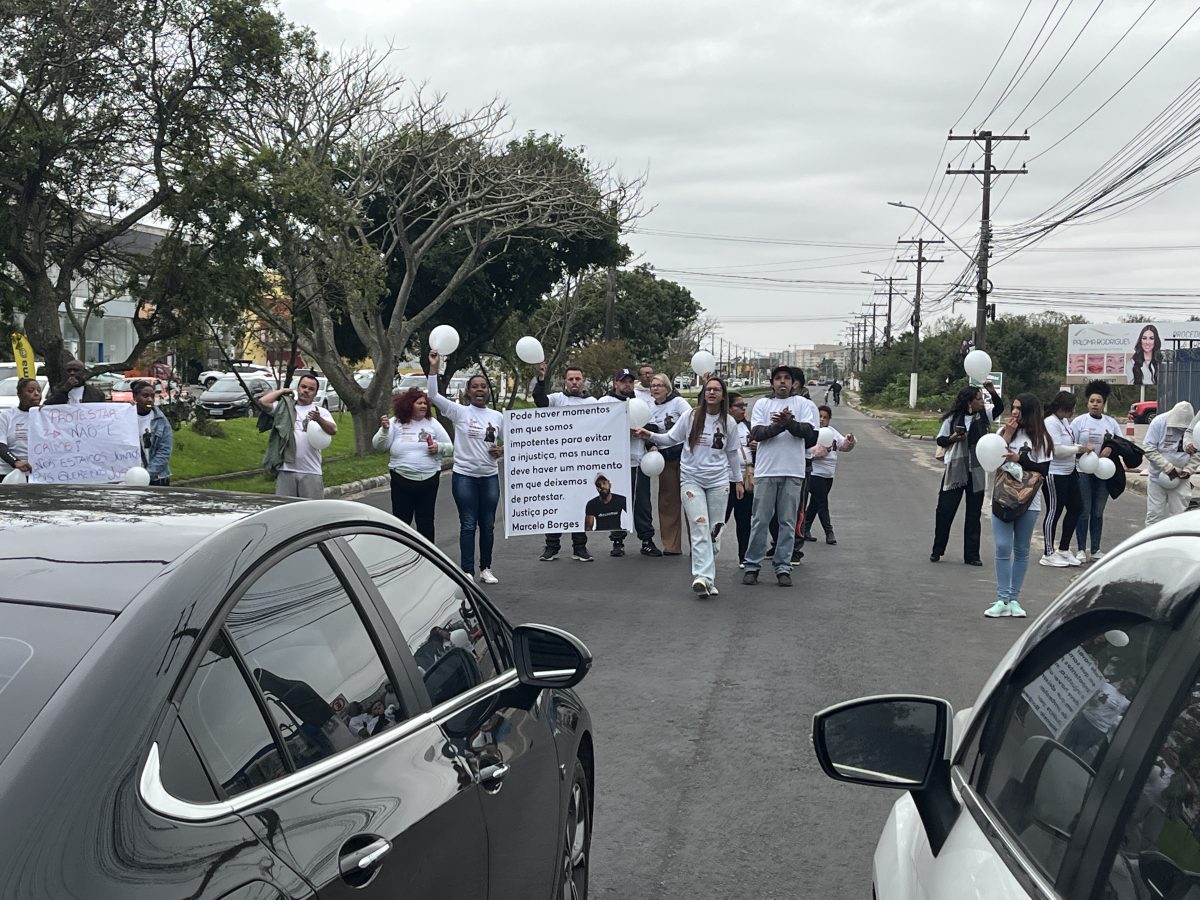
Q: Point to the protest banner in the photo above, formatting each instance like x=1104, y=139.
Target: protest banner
x=1122, y=352
x=88, y=443
x=552, y=458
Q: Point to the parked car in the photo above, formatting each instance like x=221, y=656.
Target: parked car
x=243, y=368
x=1076, y=774
x=326, y=396
x=8, y=390
x=1144, y=411
x=682, y=382
x=276, y=700
x=164, y=391
x=412, y=380
x=226, y=399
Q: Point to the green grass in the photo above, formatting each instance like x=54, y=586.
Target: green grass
x=240, y=449
x=339, y=471
x=917, y=425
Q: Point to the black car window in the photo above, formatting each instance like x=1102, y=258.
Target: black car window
x=1160, y=843
x=1044, y=752
x=309, y=651
x=435, y=613
x=226, y=725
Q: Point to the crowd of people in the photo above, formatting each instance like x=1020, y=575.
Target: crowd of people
x=1043, y=453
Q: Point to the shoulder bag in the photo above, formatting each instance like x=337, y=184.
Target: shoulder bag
x=1013, y=496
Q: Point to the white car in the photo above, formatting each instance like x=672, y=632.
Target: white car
x=8, y=391
x=326, y=396
x=207, y=379
x=1076, y=774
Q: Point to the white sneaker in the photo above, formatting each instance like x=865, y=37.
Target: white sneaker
x=712, y=589
x=1053, y=559
x=1083, y=557
x=486, y=577
x=1071, y=558
x=997, y=610
x=700, y=586
x=1097, y=555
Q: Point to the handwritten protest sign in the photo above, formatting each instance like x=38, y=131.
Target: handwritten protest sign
x=552, y=459
x=90, y=443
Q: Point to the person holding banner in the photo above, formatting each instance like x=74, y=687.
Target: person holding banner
x=157, y=438
x=75, y=388
x=709, y=464
x=14, y=428
x=623, y=391
x=475, y=477
x=573, y=394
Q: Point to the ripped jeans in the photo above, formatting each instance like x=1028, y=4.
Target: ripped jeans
x=704, y=508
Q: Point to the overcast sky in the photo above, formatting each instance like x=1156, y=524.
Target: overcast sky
x=793, y=123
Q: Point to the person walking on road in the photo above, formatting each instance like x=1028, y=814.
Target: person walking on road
x=156, y=437
x=643, y=518
x=475, y=476
x=14, y=428
x=784, y=428
x=668, y=408
x=288, y=415
x=962, y=427
x=1165, y=453
x=820, y=481
x=1089, y=431
x=1030, y=447
x=742, y=506
x=837, y=393
x=574, y=393
x=415, y=444
x=1061, y=487
x=709, y=465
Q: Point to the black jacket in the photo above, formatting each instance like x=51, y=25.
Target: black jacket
x=91, y=394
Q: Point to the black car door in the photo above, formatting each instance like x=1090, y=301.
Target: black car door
x=497, y=726
x=338, y=771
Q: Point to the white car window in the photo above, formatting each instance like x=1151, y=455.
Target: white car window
x=1042, y=755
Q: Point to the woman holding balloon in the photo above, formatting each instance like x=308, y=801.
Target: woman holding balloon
x=1095, y=468
x=414, y=442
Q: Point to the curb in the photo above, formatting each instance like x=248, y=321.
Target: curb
x=352, y=489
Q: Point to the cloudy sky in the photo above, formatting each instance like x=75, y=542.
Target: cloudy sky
x=773, y=134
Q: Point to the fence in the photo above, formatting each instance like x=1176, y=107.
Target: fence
x=1179, y=377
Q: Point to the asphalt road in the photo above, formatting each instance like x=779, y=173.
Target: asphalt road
x=707, y=786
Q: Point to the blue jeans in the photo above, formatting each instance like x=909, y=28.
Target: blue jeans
x=778, y=497
x=1094, y=494
x=1012, y=553
x=476, y=499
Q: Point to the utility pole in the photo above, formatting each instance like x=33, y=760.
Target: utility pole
x=983, y=286
x=891, y=289
x=874, y=308
x=610, y=309
x=916, y=316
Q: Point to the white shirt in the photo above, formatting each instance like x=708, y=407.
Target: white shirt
x=558, y=398
x=408, y=445
x=308, y=458
x=1065, y=446
x=471, y=433
x=75, y=395
x=637, y=449
x=144, y=423
x=1087, y=429
x=643, y=394
x=14, y=433
x=1165, y=440
x=715, y=460
x=827, y=464
x=1019, y=440
x=1106, y=708
x=782, y=456
x=672, y=409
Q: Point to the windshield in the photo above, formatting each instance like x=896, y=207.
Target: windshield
x=8, y=387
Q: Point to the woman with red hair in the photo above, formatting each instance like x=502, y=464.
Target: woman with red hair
x=415, y=443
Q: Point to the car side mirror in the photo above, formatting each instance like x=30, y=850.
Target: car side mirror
x=889, y=741
x=548, y=657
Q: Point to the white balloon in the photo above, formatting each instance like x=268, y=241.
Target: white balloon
x=639, y=412
x=443, y=339
x=1105, y=469
x=703, y=362
x=653, y=463
x=1117, y=638
x=978, y=365
x=1087, y=463
x=529, y=350
x=318, y=437
x=825, y=437
x=460, y=638
x=16, y=476
x=990, y=451
x=137, y=476
x=1166, y=481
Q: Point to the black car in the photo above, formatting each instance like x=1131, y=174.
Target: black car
x=226, y=398
x=213, y=695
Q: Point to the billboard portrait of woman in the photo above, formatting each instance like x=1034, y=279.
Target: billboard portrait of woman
x=1142, y=367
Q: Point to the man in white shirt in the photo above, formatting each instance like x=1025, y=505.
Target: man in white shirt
x=785, y=427
x=301, y=474
x=574, y=393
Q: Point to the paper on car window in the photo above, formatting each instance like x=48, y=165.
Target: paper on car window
x=1059, y=693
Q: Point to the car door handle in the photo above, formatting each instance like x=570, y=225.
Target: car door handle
x=365, y=858
x=493, y=775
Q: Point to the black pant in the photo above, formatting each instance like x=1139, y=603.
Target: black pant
x=742, y=511
x=415, y=499
x=947, y=508
x=818, y=504
x=578, y=541
x=643, y=520
x=1062, y=495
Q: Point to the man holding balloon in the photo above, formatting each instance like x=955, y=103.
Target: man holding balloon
x=300, y=472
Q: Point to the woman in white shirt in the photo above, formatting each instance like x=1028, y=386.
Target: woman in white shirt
x=669, y=407
x=710, y=463
x=414, y=442
x=475, y=480
x=1089, y=431
x=1061, y=487
x=1030, y=447
x=14, y=427
x=742, y=507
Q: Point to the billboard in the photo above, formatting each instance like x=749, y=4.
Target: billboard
x=1123, y=353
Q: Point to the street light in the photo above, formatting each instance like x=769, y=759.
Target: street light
x=969, y=256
